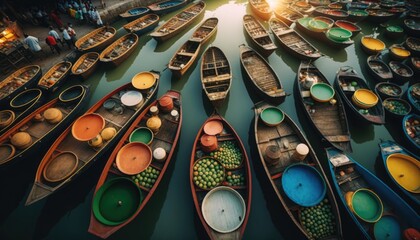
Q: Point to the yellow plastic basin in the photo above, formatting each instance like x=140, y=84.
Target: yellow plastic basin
x=143, y=80
x=365, y=97
x=373, y=44
x=405, y=170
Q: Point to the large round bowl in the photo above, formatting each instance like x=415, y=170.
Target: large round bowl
x=60, y=167
x=365, y=98
x=388, y=90
x=142, y=134
x=272, y=116
x=71, y=94
x=339, y=34
x=367, y=205
x=399, y=53
x=143, y=80
x=87, y=126
x=223, y=209
x=396, y=107
x=213, y=127
x=6, y=118
x=387, y=228
x=7, y=151
x=372, y=45
x=116, y=201
x=303, y=184
x=318, y=25
x=405, y=170
x=322, y=92
x=133, y=158
x=132, y=98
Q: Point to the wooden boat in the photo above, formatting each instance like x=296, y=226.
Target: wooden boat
x=328, y=118
x=303, y=7
x=179, y=22
x=40, y=127
x=80, y=155
x=85, y=65
x=259, y=35
x=357, y=15
x=120, y=50
x=319, y=2
x=19, y=107
x=358, y=5
x=398, y=52
x=167, y=6
x=401, y=72
x=261, y=8
x=411, y=129
x=394, y=31
x=134, y=13
x=287, y=14
x=237, y=196
x=205, y=30
x=379, y=69
x=216, y=75
x=414, y=63
x=142, y=24
x=292, y=41
x=335, y=14
x=403, y=169
x=413, y=97
x=353, y=28
x=184, y=58
x=413, y=44
x=335, y=5
x=284, y=139
x=372, y=45
x=261, y=74
x=96, y=40
x=321, y=34
x=165, y=139
x=349, y=178
x=55, y=76
x=378, y=15
x=412, y=27
x=370, y=111
x=16, y=82
x=388, y=90
x=396, y=108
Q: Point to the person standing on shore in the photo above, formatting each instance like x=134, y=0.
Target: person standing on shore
x=50, y=40
x=57, y=37
x=72, y=33
x=32, y=43
x=67, y=38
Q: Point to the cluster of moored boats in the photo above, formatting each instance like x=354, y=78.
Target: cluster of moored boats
x=143, y=133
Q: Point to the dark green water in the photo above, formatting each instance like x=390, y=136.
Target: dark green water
x=170, y=213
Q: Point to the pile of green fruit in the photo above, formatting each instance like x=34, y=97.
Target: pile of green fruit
x=228, y=154
x=237, y=179
x=208, y=173
x=318, y=220
x=396, y=107
x=146, y=178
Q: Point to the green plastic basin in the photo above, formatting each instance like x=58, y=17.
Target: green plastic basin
x=339, y=34
x=272, y=116
x=367, y=205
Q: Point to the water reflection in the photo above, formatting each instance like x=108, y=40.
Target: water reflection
x=361, y=131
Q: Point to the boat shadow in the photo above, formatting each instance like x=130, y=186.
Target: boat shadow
x=65, y=200
x=209, y=108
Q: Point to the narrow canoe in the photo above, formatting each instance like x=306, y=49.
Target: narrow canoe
x=379, y=15
x=335, y=14
x=403, y=169
x=179, y=22
x=134, y=13
x=143, y=24
x=287, y=14
x=166, y=138
x=167, y=6
x=205, y=30
x=55, y=77
x=19, y=107
x=229, y=226
x=401, y=72
x=398, y=52
x=96, y=40
x=322, y=35
x=413, y=96
x=261, y=8
x=120, y=50
x=411, y=129
x=292, y=41
x=216, y=75
x=388, y=90
x=412, y=27
x=259, y=35
x=378, y=68
x=303, y=7
x=119, y=117
x=413, y=44
x=349, y=176
x=18, y=81
x=283, y=139
x=328, y=119
x=372, y=45
x=85, y=65
x=261, y=74
x=352, y=27
x=184, y=58
x=42, y=132
x=347, y=82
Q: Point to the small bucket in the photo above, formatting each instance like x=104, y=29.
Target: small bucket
x=301, y=152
